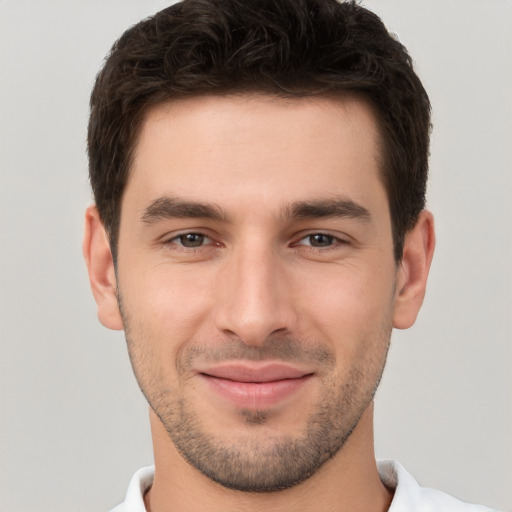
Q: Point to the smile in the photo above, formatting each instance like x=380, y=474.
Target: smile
x=255, y=386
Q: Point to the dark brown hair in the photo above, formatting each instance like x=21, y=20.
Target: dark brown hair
x=290, y=48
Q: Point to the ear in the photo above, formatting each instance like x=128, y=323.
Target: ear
x=412, y=274
x=100, y=265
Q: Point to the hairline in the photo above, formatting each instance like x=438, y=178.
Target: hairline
x=382, y=148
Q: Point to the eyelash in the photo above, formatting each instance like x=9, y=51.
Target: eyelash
x=175, y=240
x=334, y=242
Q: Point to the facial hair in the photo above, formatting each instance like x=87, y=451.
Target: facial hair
x=249, y=463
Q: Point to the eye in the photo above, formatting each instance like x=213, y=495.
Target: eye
x=191, y=240
x=319, y=240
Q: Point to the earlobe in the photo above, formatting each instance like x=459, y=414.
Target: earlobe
x=412, y=275
x=100, y=265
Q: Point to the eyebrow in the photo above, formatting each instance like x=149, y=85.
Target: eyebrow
x=330, y=208
x=170, y=207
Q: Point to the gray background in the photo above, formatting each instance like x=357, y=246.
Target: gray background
x=73, y=425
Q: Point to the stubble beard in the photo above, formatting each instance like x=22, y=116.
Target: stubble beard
x=253, y=463
x=256, y=464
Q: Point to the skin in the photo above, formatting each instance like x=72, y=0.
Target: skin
x=264, y=279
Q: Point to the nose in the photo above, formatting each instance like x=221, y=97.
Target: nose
x=255, y=299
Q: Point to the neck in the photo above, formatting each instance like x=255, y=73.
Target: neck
x=348, y=482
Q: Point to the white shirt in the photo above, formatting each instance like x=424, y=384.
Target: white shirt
x=409, y=496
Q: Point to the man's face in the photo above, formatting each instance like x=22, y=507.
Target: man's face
x=256, y=280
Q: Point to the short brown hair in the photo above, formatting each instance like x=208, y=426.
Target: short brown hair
x=290, y=48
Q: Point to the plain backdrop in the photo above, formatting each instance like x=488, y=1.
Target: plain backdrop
x=73, y=424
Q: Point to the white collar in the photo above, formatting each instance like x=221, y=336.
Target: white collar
x=409, y=496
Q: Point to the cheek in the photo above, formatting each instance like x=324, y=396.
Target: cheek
x=351, y=304
x=167, y=307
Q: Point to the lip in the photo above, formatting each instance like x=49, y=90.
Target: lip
x=255, y=386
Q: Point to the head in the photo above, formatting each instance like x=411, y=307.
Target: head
x=286, y=48
x=259, y=173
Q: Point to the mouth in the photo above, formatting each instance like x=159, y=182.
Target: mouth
x=255, y=386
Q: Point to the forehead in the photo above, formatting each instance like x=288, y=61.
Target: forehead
x=254, y=146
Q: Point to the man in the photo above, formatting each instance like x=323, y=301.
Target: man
x=259, y=171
